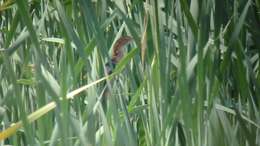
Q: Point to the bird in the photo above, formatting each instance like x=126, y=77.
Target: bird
x=117, y=55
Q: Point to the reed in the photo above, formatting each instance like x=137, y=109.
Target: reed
x=189, y=77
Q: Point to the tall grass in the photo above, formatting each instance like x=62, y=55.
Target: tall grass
x=189, y=78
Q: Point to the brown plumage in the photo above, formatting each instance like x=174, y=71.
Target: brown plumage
x=118, y=52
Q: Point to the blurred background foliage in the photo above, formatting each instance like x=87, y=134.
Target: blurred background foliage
x=190, y=77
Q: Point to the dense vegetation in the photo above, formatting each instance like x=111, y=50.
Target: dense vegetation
x=190, y=77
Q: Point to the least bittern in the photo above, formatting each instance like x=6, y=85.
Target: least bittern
x=117, y=55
